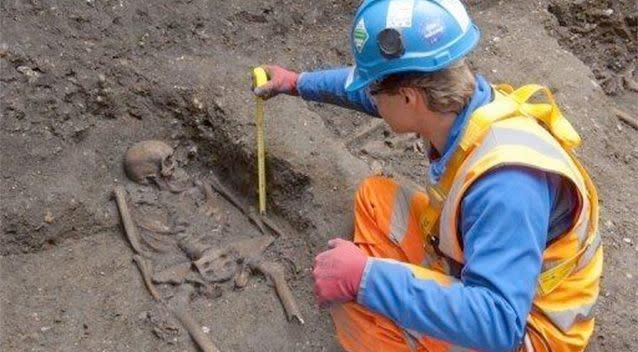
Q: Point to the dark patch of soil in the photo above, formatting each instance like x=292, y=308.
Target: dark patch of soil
x=604, y=35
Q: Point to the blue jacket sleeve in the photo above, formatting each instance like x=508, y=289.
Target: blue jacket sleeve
x=504, y=224
x=327, y=86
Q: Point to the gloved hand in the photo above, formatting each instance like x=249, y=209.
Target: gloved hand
x=280, y=81
x=337, y=272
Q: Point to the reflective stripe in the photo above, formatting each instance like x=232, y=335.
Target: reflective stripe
x=565, y=319
x=527, y=344
x=584, y=259
x=582, y=228
x=495, y=137
x=459, y=349
x=400, y=214
x=412, y=342
x=590, y=252
x=514, y=136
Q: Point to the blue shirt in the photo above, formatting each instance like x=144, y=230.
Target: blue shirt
x=507, y=218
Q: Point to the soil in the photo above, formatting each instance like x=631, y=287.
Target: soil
x=80, y=82
x=590, y=28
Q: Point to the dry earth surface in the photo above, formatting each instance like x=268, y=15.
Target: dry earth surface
x=81, y=81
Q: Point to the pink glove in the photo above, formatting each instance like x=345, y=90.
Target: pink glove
x=338, y=272
x=280, y=81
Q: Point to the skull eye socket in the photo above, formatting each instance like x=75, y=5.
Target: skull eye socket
x=167, y=165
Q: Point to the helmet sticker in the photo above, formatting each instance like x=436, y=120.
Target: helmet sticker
x=433, y=31
x=360, y=35
x=456, y=9
x=399, y=14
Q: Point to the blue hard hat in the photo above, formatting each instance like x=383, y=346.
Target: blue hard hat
x=394, y=36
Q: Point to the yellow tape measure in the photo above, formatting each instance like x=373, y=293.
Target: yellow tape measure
x=260, y=78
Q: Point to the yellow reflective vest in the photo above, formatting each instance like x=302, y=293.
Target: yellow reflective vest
x=512, y=131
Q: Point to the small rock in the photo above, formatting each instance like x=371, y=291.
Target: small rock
x=143, y=316
x=192, y=150
x=629, y=276
x=4, y=48
x=205, y=329
x=629, y=83
x=376, y=168
x=197, y=104
x=48, y=217
x=627, y=240
x=45, y=328
x=419, y=146
x=608, y=12
x=27, y=71
x=609, y=224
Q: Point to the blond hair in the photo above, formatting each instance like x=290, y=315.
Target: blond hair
x=447, y=90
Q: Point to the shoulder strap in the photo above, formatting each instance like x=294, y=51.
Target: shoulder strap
x=547, y=113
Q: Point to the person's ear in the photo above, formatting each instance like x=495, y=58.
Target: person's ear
x=410, y=95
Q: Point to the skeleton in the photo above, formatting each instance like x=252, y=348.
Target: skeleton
x=152, y=161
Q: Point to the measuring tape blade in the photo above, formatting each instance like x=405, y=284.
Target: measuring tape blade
x=260, y=78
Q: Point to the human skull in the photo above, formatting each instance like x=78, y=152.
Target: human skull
x=149, y=160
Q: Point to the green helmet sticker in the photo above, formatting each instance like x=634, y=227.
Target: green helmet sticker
x=360, y=35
